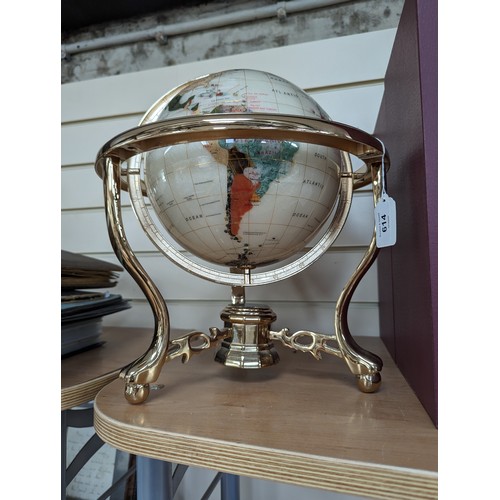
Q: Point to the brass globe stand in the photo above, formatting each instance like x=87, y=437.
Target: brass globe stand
x=247, y=340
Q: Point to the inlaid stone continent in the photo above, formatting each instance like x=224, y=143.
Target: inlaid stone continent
x=242, y=202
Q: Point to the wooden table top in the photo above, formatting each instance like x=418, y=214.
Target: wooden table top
x=84, y=374
x=302, y=422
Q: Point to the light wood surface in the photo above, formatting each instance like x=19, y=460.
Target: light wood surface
x=84, y=374
x=302, y=422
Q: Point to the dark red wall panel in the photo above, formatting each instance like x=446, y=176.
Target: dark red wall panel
x=407, y=124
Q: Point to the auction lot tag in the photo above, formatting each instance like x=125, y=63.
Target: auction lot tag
x=385, y=221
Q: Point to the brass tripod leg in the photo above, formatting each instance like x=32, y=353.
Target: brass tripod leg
x=362, y=363
x=365, y=365
x=146, y=369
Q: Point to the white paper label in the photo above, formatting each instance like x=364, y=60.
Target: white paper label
x=385, y=221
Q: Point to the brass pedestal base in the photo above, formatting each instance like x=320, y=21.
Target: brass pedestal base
x=248, y=344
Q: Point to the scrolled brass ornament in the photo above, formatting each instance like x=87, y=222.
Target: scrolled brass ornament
x=242, y=169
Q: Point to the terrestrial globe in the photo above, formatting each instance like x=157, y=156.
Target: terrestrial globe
x=241, y=202
x=240, y=178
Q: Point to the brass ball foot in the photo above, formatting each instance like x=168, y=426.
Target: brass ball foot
x=136, y=393
x=369, y=383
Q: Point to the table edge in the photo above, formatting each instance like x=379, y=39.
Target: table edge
x=86, y=391
x=328, y=473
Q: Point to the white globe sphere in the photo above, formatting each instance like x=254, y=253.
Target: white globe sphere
x=242, y=202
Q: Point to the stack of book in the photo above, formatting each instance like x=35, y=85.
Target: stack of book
x=82, y=307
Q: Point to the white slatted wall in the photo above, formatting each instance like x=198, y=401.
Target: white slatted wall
x=345, y=75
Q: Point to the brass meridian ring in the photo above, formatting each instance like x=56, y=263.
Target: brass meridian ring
x=239, y=125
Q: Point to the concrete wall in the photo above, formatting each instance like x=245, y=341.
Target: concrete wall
x=338, y=19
